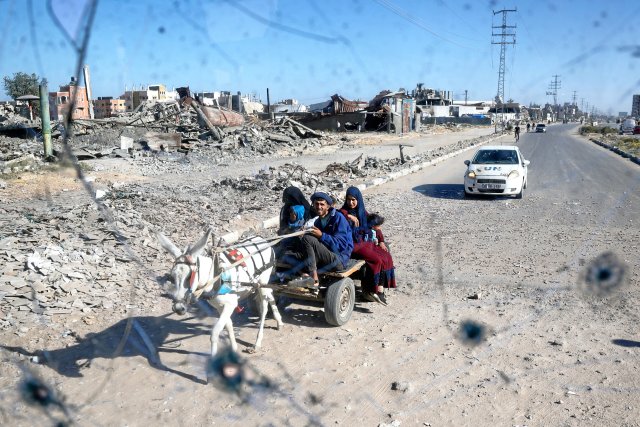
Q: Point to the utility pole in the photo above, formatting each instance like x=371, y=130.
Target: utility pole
x=573, y=102
x=506, y=37
x=465, y=97
x=46, y=124
x=553, y=87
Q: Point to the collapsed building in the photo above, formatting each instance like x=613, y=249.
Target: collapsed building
x=387, y=111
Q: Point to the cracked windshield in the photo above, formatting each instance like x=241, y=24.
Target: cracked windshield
x=319, y=212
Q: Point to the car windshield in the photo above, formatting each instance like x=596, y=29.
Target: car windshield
x=503, y=157
x=540, y=126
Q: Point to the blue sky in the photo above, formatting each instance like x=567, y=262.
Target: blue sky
x=311, y=49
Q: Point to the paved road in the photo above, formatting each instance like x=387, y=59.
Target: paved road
x=524, y=261
x=563, y=166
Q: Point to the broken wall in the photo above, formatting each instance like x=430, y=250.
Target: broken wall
x=330, y=123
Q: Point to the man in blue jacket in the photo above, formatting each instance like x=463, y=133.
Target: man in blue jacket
x=328, y=245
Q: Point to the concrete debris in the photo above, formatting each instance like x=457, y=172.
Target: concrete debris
x=19, y=164
x=126, y=142
x=16, y=118
x=151, y=135
x=63, y=261
x=157, y=141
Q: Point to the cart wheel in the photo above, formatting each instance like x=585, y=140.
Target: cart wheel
x=339, y=301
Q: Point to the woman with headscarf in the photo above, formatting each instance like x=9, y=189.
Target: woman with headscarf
x=368, y=244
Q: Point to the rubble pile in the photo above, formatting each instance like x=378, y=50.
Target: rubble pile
x=272, y=179
x=11, y=118
x=336, y=176
x=160, y=132
x=66, y=261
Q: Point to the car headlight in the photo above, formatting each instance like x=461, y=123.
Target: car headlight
x=471, y=174
x=513, y=174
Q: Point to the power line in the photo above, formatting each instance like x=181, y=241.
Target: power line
x=506, y=37
x=403, y=14
x=553, y=88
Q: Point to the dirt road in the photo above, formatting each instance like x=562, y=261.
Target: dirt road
x=491, y=323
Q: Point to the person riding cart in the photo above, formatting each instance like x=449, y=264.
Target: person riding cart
x=327, y=246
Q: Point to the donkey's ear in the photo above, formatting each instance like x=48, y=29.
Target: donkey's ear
x=168, y=245
x=198, y=247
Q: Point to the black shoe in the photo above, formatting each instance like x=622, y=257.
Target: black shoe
x=370, y=297
x=379, y=298
x=382, y=297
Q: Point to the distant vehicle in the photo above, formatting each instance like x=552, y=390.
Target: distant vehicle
x=627, y=126
x=541, y=127
x=636, y=130
x=496, y=171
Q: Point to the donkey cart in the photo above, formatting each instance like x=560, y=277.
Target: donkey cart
x=337, y=291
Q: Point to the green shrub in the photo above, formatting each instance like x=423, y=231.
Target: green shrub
x=604, y=130
x=588, y=129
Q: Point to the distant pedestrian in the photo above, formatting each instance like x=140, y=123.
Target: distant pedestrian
x=528, y=127
x=517, y=133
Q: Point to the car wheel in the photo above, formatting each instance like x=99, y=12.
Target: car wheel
x=521, y=193
x=525, y=184
x=467, y=195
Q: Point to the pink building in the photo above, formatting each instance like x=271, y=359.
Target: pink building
x=59, y=102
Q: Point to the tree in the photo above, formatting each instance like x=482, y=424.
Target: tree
x=22, y=84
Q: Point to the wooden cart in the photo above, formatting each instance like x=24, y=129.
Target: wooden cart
x=336, y=290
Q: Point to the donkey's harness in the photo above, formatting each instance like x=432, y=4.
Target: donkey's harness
x=236, y=258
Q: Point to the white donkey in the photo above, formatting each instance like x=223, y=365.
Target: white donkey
x=223, y=280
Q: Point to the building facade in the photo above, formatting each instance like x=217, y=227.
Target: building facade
x=60, y=102
x=158, y=92
x=635, y=106
x=133, y=98
x=106, y=106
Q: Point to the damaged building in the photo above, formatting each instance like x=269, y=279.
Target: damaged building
x=387, y=111
x=60, y=102
x=247, y=104
x=395, y=111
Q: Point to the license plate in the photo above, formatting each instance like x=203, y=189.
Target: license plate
x=490, y=186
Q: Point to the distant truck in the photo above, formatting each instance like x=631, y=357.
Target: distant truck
x=627, y=126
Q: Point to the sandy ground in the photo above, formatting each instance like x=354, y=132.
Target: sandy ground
x=537, y=351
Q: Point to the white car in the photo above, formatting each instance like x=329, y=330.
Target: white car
x=496, y=171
